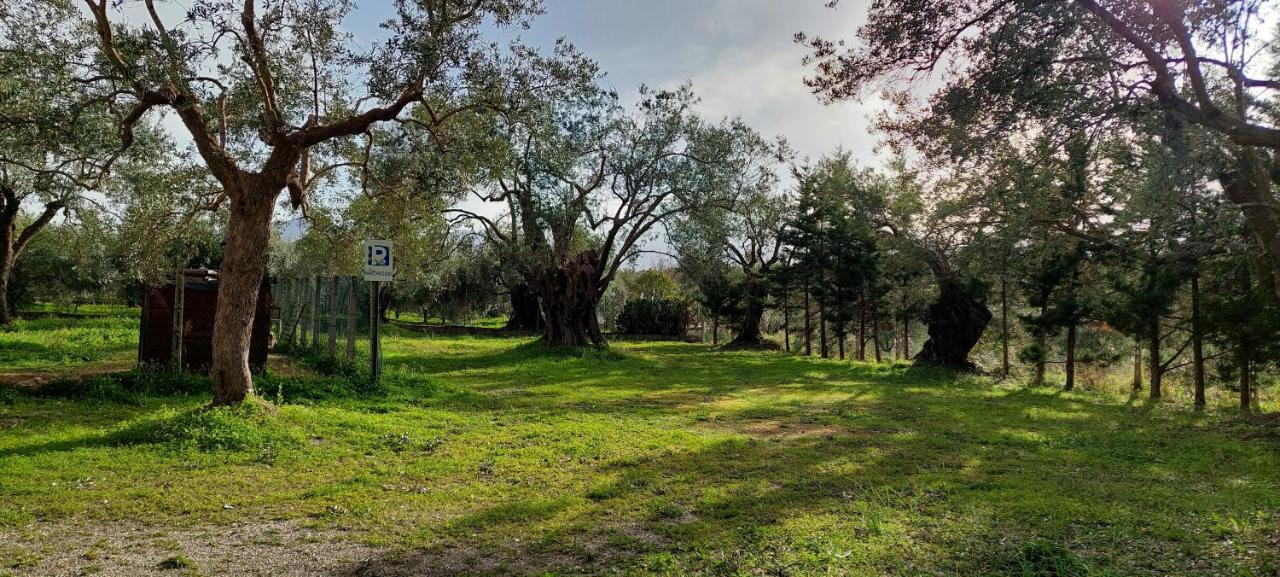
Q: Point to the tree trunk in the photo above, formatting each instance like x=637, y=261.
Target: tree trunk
x=1004, y=327
x=956, y=323
x=13, y=242
x=862, y=329
x=875, y=327
x=1197, y=344
x=1250, y=189
x=1153, y=338
x=526, y=313
x=750, y=336
x=1037, y=378
x=569, y=294
x=786, y=323
x=6, y=271
x=1137, y=364
x=715, y=329
x=822, y=331
x=8, y=235
x=840, y=344
x=808, y=328
x=1246, y=380
x=906, y=336
x=1071, y=358
x=239, y=279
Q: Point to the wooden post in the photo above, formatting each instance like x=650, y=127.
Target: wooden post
x=279, y=302
x=352, y=313
x=333, y=316
x=315, y=313
x=179, y=304
x=304, y=295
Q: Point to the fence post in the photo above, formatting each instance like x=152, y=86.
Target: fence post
x=304, y=294
x=278, y=305
x=352, y=315
x=179, y=303
x=333, y=316
x=315, y=313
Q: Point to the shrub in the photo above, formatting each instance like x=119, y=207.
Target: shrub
x=655, y=317
x=250, y=426
x=1043, y=558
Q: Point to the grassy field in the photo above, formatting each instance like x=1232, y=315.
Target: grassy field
x=49, y=339
x=497, y=456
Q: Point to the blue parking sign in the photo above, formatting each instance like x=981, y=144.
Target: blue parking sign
x=378, y=260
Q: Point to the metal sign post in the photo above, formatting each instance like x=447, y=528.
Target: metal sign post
x=378, y=268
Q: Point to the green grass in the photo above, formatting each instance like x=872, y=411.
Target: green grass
x=482, y=322
x=664, y=459
x=49, y=343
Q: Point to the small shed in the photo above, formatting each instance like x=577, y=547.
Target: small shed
x=198, y=301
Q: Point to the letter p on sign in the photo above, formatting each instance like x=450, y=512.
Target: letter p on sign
x=378, y=261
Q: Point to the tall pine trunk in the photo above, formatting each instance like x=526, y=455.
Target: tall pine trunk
x=808, y=327
x=244, y=262
x=1004, y=327
x=822, y=331
x=786, y=322
x=1246, y=380
x=1071, y=357
x=1137, y=364
x=862, y=328
x=1197, y=344
x=1153, y=343
x=875, y=327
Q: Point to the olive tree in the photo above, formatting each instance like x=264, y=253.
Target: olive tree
x=270, y=95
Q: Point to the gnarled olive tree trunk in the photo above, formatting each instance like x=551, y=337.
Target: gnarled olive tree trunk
x=526, y=313
x=956, y=322
x=569, y=293
x=749, y=333
x=13, y=241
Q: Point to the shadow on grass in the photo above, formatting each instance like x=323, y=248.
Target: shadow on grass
x=904, y=470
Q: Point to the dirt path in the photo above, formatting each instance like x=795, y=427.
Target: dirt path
x=37, y=378
x=278, y=364
x=275, y=548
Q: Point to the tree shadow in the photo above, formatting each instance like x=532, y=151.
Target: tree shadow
x=908, y=474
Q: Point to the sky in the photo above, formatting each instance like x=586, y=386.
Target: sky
x=739, y=55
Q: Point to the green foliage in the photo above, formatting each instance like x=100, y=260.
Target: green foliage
x=178, y=561
x=651, y=316
x=45, y=342
x=668, y=457
x=253, y=427
x=1043, y=558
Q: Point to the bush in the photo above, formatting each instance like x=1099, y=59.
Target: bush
x=251, y=426
x=128, y=387
x=1043, y=558
x=655, y=317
